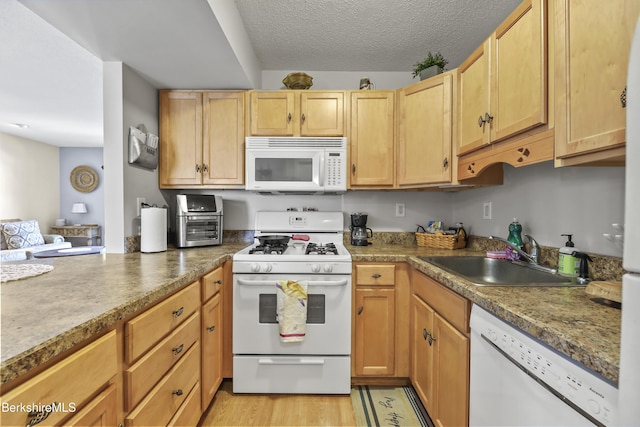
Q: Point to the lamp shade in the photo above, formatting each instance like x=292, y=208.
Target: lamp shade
x=79, y=208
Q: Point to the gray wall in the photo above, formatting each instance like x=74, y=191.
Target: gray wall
x=69, y=159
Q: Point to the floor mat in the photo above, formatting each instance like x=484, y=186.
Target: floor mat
x=388, y=406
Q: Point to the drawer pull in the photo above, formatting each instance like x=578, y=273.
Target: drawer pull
x=360, y=310
x=39, y=416
x=178, y=312
x=376, y=276
x=211, y=328
x=177, y=350
x=218, y=282
x=177, y=392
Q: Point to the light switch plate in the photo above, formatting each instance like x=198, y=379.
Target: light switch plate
x=486, y=210
x=399, y=209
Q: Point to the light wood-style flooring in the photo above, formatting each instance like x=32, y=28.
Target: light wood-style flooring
x=230, y=409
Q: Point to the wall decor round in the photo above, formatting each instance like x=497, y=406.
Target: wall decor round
x=84, y=179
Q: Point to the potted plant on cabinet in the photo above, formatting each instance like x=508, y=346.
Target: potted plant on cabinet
x=430, y=66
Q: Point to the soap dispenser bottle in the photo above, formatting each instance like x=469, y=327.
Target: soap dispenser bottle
x=515, y=237
x=568, y=264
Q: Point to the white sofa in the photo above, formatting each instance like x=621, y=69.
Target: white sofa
x=9, y=251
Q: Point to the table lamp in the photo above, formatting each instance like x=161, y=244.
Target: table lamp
x=79, y=208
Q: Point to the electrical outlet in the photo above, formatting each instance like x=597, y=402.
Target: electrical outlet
x=139, y=202
x=486, y=210
x=399, y=209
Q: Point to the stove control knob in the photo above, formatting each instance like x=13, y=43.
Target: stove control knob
x=255, y=268
x=328, y=268
x=267, y=268
x=315, y=268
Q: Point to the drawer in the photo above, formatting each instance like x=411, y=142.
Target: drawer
x=190, y=411
x=164, y=400
x=147, y=329
x=69, y=383
x=101, y=411
x=212, y=283
x=375, y=274
x=453, y=307
x=146, y=372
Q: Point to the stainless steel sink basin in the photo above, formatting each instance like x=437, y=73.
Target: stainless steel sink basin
x=496, y=272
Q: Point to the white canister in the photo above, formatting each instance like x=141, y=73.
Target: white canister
x=153, y=230
x=61, y=222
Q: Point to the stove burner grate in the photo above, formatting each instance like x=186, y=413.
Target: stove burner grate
x=268, y=249
x=326, y=249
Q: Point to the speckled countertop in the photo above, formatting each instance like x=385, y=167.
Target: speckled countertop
x=46, y=315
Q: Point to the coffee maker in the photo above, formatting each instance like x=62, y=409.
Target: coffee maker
x=359, y=231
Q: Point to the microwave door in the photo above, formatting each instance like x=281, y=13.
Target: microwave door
x=284, y=170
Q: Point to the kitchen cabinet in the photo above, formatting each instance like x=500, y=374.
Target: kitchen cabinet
x=211, y=334
x=380, y=321
x=296, y=113
x=426, y=132
x=503, y=84
x=591, y=60
x=372, y=139
x=162, y=359
x=201, y=139
x=440, y=350
x=69, y=386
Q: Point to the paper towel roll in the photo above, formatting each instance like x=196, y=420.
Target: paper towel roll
x=153, y=229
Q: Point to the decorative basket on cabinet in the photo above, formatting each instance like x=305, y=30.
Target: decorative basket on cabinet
x=441, y=241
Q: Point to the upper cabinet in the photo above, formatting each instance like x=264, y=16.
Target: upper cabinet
x=201, y=138
x=503, y=84
x=426, y=132
x=371, y=139
x=591, y=60
x=296, y=113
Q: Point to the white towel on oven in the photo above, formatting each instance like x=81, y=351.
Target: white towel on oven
x=292, y=309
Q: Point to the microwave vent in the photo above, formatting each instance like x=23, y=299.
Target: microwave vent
x=295, y=142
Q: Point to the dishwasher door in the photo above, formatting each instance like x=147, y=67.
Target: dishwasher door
x=515, y=380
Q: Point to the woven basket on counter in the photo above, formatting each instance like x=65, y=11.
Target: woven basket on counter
x=441, y=241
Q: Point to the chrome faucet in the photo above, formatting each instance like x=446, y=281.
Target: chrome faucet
x=532, y=257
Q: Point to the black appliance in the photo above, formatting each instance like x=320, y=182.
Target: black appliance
x=359, y=231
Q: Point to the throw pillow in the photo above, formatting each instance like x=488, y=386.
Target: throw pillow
x=22, y=234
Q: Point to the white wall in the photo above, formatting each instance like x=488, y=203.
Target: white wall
x=339, y=80
x=29, y=180
x=548, y=202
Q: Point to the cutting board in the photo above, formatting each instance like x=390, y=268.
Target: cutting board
x=607, y=290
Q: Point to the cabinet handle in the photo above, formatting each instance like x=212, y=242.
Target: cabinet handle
x=302, y=118
x=353, y=169
x=211, y=328
x=218, y=282
x=39, y=416
x=289, y=118
x=376, y=276
x=177, y=350
x=445, y=163
x=430, y=338
x=205, y=168
x=178, y=312
x=623, y=97
x=360, y=310
x=481, y=121
x=425, y=333
x=197, y=168
x=488, y=118
x=177, y=392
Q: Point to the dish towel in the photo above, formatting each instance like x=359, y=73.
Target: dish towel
x=292, y=310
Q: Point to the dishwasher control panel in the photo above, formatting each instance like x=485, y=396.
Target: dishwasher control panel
x=584, y=391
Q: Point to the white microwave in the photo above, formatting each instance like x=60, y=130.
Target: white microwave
x=296, y=164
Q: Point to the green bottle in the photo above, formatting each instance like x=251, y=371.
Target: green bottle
x=515, y=237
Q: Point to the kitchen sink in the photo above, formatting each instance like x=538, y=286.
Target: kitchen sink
x=496, y=272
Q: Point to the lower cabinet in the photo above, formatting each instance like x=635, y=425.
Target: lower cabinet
x=440, y=350
x=211, y=331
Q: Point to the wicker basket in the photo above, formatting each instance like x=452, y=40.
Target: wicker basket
x=441, y=241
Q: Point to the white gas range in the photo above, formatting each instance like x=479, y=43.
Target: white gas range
x=298, y=246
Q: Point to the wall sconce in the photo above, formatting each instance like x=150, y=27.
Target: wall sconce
x=79, y=208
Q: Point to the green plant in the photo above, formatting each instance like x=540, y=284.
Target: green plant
x=429, y=61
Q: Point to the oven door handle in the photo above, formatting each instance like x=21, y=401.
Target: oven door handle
x=270, y=361
x=244, y=282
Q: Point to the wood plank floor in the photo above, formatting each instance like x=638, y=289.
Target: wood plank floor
x=230, y=409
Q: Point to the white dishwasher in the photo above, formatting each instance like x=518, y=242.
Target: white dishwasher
x=517, y=380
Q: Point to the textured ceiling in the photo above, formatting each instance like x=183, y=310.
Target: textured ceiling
x=51, y=52
x=371, y=35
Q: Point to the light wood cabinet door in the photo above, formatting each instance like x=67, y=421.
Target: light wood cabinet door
x=375, y=332
x=371, y=139
x=211, y=348
x=321, y=113
x=180, y=138
x=272, y=113
x=591, y=60
x=422, y=354
x=100, y=412
x=451, y=349
x=425, y=143
x=474, y=82
x=223, y=138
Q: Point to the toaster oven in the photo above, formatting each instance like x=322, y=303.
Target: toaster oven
x=199, y=220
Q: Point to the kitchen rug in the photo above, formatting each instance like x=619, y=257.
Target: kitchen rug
x=10, y=272
x=388, y=406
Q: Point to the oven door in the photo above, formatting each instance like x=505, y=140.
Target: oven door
x=280, y=169
x=256, y=331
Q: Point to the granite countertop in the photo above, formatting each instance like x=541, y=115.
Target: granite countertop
x=46, y=315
